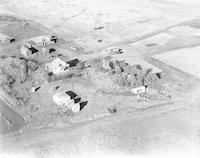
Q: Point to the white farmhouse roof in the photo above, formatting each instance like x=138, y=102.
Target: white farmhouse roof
x=25, y=51
x=57, y=66
x=62, y=98
x=75, y=108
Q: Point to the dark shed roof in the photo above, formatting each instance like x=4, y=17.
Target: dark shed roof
x=51, y=50
x=76, y=100
x=71, y=94
x=33, y=50
x=73, y=62
x=83, y=104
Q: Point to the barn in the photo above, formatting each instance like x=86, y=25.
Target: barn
x=28, y=51
x=69, y=99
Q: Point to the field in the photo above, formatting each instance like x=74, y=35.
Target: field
x=187, y=60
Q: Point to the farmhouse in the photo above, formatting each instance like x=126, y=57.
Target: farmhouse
x=4, y=39
x=44, y=40
x=57, y=66
x=28, y=51
x=70, y=100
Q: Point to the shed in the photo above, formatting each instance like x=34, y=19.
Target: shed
x=76, y=100
x=83, y=104
x=70, y=100
x=26, y=51
x=73, y=62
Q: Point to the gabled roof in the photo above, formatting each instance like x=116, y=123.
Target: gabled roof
x=76, y=100
x=83, y=104
x=73, y=62
x=33, y=50
x=71, y=94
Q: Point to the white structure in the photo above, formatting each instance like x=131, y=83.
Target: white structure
x=113, y=51
x=67, y=99
x=4, y=39
x=137, y=90
x=57, y=66
x=25, y=51
x=44, y=40
x=62, y=99
x=28, y=51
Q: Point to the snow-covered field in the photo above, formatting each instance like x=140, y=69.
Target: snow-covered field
x=121, y=19
x=187, y=60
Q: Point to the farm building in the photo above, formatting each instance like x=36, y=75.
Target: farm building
x=28, y=51
x=4, y=39
x=57, y=66
x=70, y=100
x=73, y=62
x=44, y=40
x=47, y=50
x=138, y=90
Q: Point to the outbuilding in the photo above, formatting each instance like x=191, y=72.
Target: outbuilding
x=28, y=51
x=44, y=40
x=138, y=90
x=73, y=62
x=70, y=100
